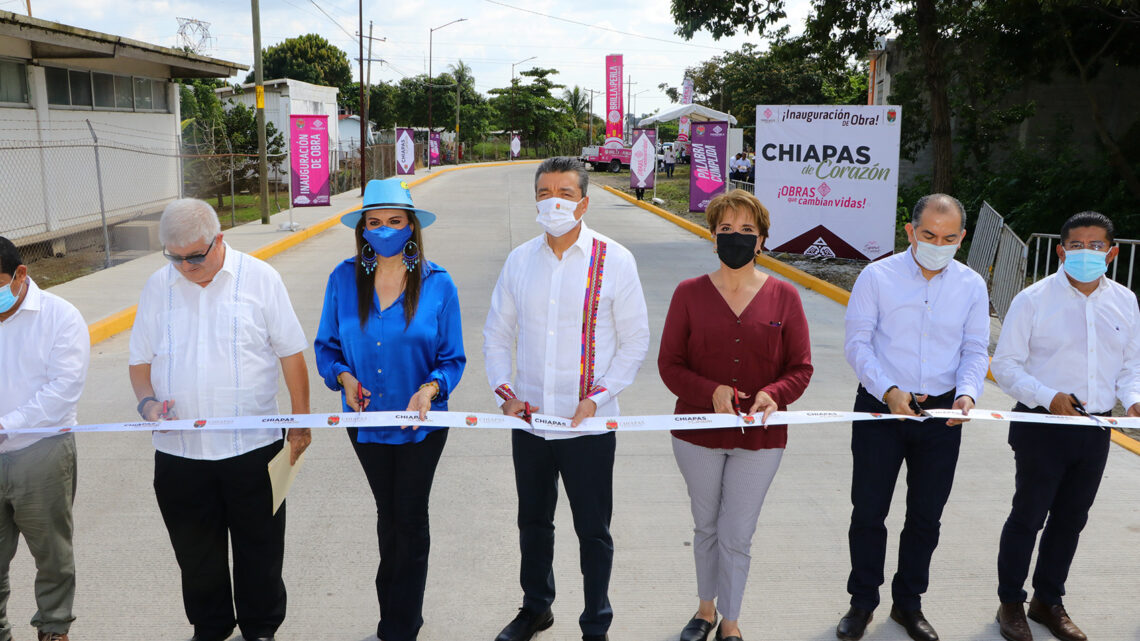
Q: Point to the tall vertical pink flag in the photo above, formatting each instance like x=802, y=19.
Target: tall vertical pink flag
x=706, y=171
x=433, y=148
x=309, y=160
x=405, y=152
x=686, y=99
x=615, y=108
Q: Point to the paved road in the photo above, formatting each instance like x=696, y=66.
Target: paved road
x=128, y=581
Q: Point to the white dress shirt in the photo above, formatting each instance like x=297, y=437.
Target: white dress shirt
x=925, y=336
x=214, y=351
x=44, y=351
x=1056, y=339
x=539, y=315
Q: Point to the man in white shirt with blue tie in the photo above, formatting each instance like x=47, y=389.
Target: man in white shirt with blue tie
x=211, y=330
x=918, y=330
x=45, y=350
x=1069, y=345
x=571, y=302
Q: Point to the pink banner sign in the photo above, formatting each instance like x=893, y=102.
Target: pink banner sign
x=706, y=170
x=686, y=99
x=615, y=108
x=309, y=160
x=643, y=160
x=405, y=152
x=433, y=152
x=516, y=145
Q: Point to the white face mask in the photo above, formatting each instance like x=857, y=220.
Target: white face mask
x=556, y=215
x=934, y=257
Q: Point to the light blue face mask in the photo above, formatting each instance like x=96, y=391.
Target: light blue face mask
x=7, y=298
x=1085, y=265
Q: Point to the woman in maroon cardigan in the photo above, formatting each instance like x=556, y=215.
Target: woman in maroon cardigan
x=735, y=335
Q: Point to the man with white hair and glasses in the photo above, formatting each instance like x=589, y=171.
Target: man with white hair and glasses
x=209, y=333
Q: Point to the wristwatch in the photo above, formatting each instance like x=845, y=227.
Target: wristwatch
x=888, y=392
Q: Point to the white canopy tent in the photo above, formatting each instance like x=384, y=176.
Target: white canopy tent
x=699, y=113
x=694, y=111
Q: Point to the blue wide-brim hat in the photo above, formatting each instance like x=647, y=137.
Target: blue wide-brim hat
x=390, y=193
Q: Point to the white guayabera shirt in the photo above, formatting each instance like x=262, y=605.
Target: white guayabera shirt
x=214, y=351
x=577, y=327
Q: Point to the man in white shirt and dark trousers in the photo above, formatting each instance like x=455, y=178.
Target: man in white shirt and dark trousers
x=917, y=336
x=45, y=349
x=1069, y=345
x=570, y=301
x=210, y=331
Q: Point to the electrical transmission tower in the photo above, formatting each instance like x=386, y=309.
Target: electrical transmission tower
x=194, y=34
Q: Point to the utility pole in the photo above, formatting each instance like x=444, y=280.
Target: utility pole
x=457, y=119
x=431, y=84
x=363, y=124
x=628, y=97
x=368, y=77
x=29, y=8
x=259, y=83
x=591, y=118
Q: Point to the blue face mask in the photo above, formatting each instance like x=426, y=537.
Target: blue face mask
x=1085, y=265
x=7, y=298
x=388, y=241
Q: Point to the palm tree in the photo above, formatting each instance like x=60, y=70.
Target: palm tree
x=462, y=73
x=577, y=104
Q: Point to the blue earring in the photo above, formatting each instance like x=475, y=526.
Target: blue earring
x=411, y=255
x=368, y=259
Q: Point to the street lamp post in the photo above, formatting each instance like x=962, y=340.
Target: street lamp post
x=514, y=97
x=431, y=89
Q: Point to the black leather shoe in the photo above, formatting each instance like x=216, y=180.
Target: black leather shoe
x=916, y=625
x=735, y=637
x=697, y=629
x=853, y=624
x=526, y=625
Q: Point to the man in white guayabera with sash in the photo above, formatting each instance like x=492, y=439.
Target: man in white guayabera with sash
x=569, y=308
x=45, y=349
x=211, y=329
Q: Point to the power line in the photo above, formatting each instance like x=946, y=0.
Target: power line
x=594, y=26
x=334, y=20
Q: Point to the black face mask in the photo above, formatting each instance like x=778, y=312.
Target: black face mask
x=735, y=249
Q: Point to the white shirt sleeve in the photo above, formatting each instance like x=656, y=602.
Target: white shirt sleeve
x=975, y=357
x=501, y=330
x=1128, y=379
x=286, y=336
x=54, y=402
x=1008, y=365
x=861, y=319
x=143, y=342
x=631, y=321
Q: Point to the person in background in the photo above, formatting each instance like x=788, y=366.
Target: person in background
x=391, y=339
x=569, y=309
x=45, y=348
x=670, y=161
x=735, y=341
x=918, y=332
x=1070, y=345
x=213, y=330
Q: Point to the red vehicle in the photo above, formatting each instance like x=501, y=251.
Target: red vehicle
x=609, y=158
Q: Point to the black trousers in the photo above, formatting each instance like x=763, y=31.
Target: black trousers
x=209, y=506
x=1059, y=469
x=669, y=167
x=879, y=448
x=586, y=464
x=401, y=477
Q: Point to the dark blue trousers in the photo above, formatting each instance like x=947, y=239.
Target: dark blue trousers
x=586, y=464
x=1059, y=469
x=879, y=448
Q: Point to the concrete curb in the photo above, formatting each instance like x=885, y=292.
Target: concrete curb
x=835, y=293
x=121, y=321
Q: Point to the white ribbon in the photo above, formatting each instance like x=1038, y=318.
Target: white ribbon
x=479, y=420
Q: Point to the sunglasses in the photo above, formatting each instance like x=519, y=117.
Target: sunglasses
x=195, y=259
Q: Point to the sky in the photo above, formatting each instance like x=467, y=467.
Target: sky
x=495, y=34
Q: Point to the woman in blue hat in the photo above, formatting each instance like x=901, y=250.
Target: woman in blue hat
x=390, y=339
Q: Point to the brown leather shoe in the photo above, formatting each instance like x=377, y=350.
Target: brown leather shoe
x=1012, y=623
x=51, y=636
x=1056, y=619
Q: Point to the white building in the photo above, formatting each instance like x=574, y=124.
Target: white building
x=59, y=86
x=284, y=97
x=349, y=132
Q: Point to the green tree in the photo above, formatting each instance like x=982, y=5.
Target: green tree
x=308, y=58
x=577, y=106
x=532, y=109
